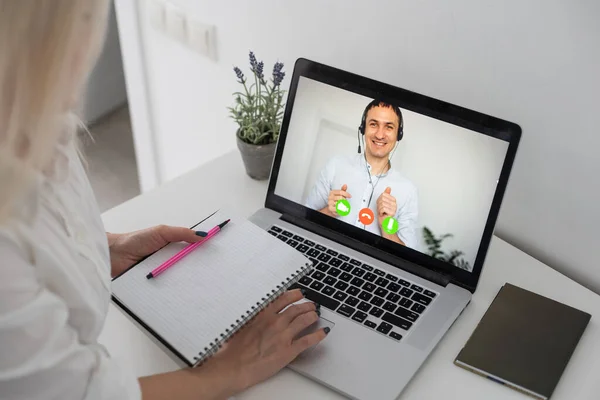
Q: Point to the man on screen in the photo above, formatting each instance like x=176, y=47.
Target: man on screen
x=381, y=200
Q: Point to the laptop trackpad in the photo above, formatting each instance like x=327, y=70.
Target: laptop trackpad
x=320, y=324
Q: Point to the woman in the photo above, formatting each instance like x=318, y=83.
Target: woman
x=55, y=258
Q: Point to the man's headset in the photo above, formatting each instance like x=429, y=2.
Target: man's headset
x=374, y=103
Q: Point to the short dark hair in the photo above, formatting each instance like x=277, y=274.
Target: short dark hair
x=383, y=103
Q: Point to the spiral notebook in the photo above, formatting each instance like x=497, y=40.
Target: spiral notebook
x=197, y=304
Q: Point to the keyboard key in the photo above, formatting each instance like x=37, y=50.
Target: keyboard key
x=376, y=312
x=395, y=335
x=379, y=272
x=416, y=288
x=343, y=257
x=389, y=306
x=406, y=292
x=322, y=267
x=309, y=243
x=273, y=233
x=382, y=282
x=302, y=248
x=332, y=252
x=397, y=321
x=347, y=267
x=321, y=299
x=355, y=262
x=318, y=275
x=358, y=272
x=328, y=290
x=314, y=261
x=418, y=308
x=305, y=280
x=329, y=280
x=317, y=285
x=394, y=287
x=353, y=290
x=381, y=292
x=406, y=303
x=364, y=306
x=369, y=287
x=276, y=228
x=404, y=283
x=339, y=295
x=292, y=243
x=404, y=313
x=370, y=324
x=384, y=328
x=346, y=310
x=341, y=285
x=392, y=277
x=345, y=277
x=429, y=293
x=320, y=248
x=367, y=267
x=419, y=298
x=334, y=271
x=282, y=238
x=298, y=238
x=393, y=297
x=353, y=301
x=313, y=253
x=366, y=296
x=357, y=282
x=336, y=262
x=377, y=301
x=370, y=277
x=287, y=234
x=359, y=316
x=324, y=257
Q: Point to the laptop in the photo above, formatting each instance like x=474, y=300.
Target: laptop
x=393, y=196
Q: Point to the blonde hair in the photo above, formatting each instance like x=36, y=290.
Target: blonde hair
x=47, y=49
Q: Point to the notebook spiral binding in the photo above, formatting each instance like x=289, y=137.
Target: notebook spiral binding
x=218, y=342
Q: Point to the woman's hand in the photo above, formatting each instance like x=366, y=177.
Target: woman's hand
x=126, y=249
x=269, y=342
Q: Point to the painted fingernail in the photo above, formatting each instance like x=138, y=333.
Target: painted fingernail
x=318, y=312
x=317, y=306
x=303, y=291
x=201, y=233
x=326, y=330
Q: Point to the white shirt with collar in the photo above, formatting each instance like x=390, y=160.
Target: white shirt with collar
x=55, y=293
x=354, y=172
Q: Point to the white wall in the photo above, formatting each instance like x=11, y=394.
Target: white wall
x=533, y=62
x=454, y=170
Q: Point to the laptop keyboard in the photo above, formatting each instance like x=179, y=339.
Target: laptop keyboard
x=367, y=295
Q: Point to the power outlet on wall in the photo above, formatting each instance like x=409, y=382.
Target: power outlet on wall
x=194, y=34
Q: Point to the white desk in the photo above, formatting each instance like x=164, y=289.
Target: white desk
x=189, y=198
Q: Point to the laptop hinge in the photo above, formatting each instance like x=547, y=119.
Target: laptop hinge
x=425, y=273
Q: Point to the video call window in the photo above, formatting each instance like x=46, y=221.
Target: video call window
x=420, y=182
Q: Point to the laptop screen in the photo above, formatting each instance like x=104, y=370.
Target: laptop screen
x=420, y=182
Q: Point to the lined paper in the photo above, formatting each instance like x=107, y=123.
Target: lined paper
x=195, y=301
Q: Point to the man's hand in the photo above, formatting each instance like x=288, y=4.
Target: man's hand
x=387, y=207
x=333, y=198
x=128, y=248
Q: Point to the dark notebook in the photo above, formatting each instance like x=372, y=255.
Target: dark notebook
x=524, y=341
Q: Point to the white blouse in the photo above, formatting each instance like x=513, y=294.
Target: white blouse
x=55, y=292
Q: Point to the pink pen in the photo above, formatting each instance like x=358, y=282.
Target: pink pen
x=184, y=252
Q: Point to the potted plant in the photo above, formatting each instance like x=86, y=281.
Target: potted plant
x=258, y=110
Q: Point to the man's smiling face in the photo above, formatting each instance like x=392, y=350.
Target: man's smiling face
x=381, y=131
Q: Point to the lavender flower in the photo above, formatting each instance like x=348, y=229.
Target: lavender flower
x=259, y=72
x=277, y=74
x=239, y=74
x=253, y=63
